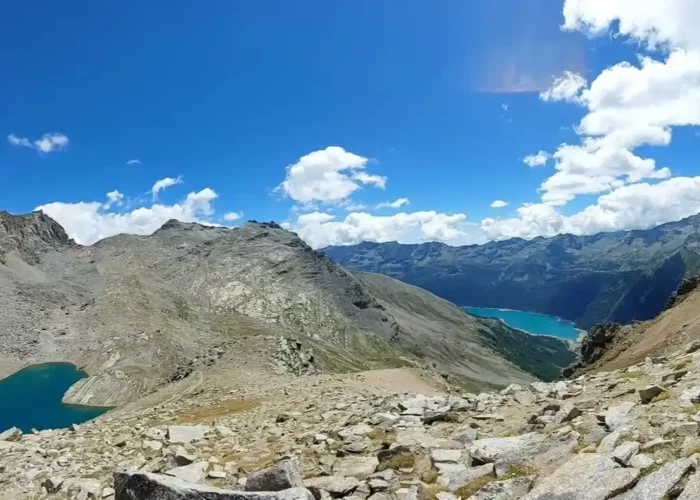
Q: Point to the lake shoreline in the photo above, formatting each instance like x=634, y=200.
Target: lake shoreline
x=573, y=339
x=47, y=382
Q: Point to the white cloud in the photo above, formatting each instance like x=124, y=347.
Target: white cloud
x=135, y=161
x=164, y=184
x=329, y=175
x=47, y=143
x=232, y=216
x=19, y=141
x=666, y=23
x=398, y=203
x=505, y=106
x=627, y=105
x=536, y=160
x=88, y=222
x=321, y=229
x=113, y=197
x=499, y=204
x=565, y=88
x=635, y=206
x=365, y=178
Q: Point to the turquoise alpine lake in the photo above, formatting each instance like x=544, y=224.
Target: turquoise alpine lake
x=31, y=398
x=529, y=322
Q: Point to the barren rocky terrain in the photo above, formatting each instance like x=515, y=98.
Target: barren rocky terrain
x=380, y=435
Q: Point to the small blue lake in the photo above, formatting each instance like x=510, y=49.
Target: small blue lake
x=529, y=322
x=31, y=398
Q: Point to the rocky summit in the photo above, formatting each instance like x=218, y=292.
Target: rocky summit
x=632, y=433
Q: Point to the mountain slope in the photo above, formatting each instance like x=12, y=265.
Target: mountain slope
x=620, y=277
x=139, y=312
x=611, y=346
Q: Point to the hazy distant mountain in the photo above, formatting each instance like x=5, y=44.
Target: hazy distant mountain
x=138, y=312
x=620, y=276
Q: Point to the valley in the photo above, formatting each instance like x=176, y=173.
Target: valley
x=618, y=277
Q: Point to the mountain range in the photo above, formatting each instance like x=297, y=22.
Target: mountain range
x=608, y=277
x=140, y=312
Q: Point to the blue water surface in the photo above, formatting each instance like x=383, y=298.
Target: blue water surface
x=529, y=322
x=31, y=398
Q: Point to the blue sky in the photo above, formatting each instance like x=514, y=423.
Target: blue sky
x=442, y=101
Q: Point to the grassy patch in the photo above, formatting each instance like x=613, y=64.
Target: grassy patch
x=661, y=397
x=682, y=364
x=209, y=413
x=473, y=487
x=399, y=462
x=692, y=410
x=381, y=435
x=630, y=375
x=429, y=476
x=521, y=470
x=429, y=492
x=649, y=470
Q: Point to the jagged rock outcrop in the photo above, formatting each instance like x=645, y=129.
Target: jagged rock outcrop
x=140, y=312
x=686, y=287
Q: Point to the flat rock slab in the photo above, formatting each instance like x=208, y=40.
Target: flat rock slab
x=136, y=485
x=193, y=473
x=358, y=467
x=585, y=477
x=656, y=485
x=511, y=489
x=335, y=485
x=185, y=434
x=460, y=475
x=492, y=449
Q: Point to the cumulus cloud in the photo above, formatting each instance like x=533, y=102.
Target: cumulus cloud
x=135, y=161
x=320, y=229
x=47, y=143
x=329, y=175
x=232, y=216
x=635, y=206
x=499, y=204
x=398, y=203
x=164, y=184
x=537, y=160
x=113, y=197
x=565, y=88
x=627, y=105
x=88, y=222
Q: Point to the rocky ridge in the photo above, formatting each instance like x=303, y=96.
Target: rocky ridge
x=140, y=312
x=632, y=433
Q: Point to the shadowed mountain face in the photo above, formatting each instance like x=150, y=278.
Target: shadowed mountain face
x=620, y=277
x=138, y=312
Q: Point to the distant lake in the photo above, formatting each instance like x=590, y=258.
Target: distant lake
x=529, y=322
x=31, y=398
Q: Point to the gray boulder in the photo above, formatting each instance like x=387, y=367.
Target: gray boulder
x=657, y=485
x=692, y=489
x=585, y=477
x=282, y=476
x=135, y=485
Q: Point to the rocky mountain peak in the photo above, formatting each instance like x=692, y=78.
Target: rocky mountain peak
x=30, y=233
